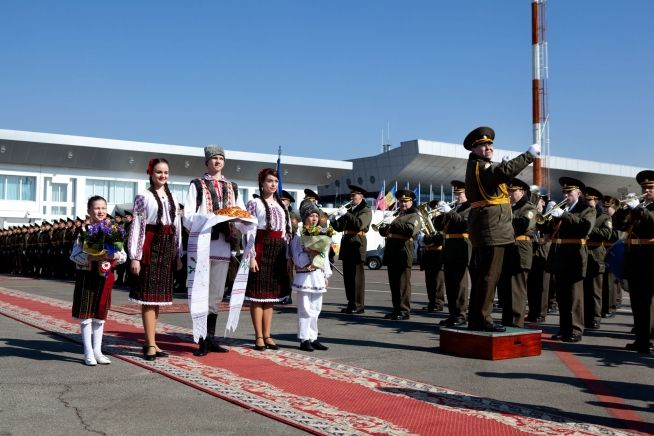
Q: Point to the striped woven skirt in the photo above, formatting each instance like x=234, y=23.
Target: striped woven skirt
x=92, y=295
x=155, y=282
x=271, y=284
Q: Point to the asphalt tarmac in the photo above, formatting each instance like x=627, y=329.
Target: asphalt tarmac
x=45, y=388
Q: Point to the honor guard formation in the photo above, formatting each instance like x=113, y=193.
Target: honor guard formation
x=499, y=244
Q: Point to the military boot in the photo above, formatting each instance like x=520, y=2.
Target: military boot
x=211, y=333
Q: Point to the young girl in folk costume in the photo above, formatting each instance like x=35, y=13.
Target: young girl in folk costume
x=92, y=295
x=309, y=282
x=268, y=281
x=155, y=247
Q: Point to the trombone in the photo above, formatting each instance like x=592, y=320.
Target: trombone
x=542, y=218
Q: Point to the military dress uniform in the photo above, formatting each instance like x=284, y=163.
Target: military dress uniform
x=457, y=250
x=491, y=230
x=597, y=243
x=637, y=219
x=431, y=262
x=518, y=260
x=354, y=224
x=400, y=235
x=568, y=261
x=611, y=285
x=538, y=280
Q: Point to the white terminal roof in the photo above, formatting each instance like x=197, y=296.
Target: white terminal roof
x=67, y=151
x=432, y=162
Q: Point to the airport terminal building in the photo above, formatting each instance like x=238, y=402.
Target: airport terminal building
x=46, y=176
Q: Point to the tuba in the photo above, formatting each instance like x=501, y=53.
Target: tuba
x=424, y=212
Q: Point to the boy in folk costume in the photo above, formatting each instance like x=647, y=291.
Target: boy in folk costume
x=207, y=194
x=309, y=282
x=93, y=286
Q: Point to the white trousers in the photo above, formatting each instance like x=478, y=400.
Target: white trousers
x=309, y=305
x=217, y=276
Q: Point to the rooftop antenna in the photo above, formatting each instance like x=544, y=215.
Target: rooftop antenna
x=540, y=114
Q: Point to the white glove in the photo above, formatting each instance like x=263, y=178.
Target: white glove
x=534, y=150
x=633, y=203
x=443, y=207
x=556, y=213
x=550, y=205
x=341, y=211
x=506, y=158
x=387, y=219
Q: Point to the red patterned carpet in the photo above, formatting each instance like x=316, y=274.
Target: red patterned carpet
x=316, y=395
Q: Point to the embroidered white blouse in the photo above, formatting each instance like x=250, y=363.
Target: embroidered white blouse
x=258, y=211
x=81, y=258
x=145, y=212
x=308, y=281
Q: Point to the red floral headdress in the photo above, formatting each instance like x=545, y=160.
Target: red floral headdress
x=150, y=166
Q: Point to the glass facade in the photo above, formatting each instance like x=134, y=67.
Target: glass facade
x=20, y=188
x=113, y=191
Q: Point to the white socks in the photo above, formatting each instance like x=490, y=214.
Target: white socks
x=98, y=328
x=92, y=339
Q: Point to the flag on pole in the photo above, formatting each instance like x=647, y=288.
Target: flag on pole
x=279, y=170
x=390, y=199
x=381, y=202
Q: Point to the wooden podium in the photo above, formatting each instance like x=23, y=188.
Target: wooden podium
x=514, y=342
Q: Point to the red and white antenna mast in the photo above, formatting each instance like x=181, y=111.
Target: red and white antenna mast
x=540, y=114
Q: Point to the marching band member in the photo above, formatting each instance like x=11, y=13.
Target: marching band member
x=611, y=285
x=398, y=253
x=354, y=223
x=456, y=253
x=636, y=217
x=431, y=262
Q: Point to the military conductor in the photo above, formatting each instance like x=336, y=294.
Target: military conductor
x=490, y=225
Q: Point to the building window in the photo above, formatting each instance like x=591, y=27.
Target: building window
x=59, y=191
x=113, y=191
x=17, y=188
x=179, y=190
x=58, y=211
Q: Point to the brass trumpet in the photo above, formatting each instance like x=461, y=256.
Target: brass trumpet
x=542, y=218
x=623, y=202
x=434, y=213
x=382, y=225
x=347, y=205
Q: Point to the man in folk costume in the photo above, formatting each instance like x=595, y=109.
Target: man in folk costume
x=354, y=223
x=519, y=256
x=490, y=225
x=636, y=217
x=568, y=257
x=400, y=233
x=207, y=194
x=597, y=243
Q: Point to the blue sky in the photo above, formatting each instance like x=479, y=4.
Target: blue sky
x=324, y=78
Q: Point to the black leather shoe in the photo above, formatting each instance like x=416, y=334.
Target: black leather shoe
x=447, y=322
x=270, y=345
x=389, y=316
x=494, y=328
x=401, y=317
x=306, y=346
x=609, y=315
x=318, y=346
x=359, y=311
x=216, y=347
x=259, y=347
x=540, y=319
x=593, y=325
x=556, y=337
x=146, y=356
x=159, y=353
x=641, y=348
x=347, y=310
x=572, y=338
x=429, y=309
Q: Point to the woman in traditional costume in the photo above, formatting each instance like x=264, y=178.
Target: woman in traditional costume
x=94, y=280
x=268, y=281
x=309, y=281
x=155, y=247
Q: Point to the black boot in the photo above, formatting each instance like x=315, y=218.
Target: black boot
x=203, y=348
x=211, y=332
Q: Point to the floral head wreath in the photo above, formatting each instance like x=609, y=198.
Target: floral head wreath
x=150, y=167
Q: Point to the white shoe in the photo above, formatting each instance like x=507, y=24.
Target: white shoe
x=102, y=359
x=90, y=360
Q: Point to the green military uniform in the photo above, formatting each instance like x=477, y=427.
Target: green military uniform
x=538, y=280
x=431, y=262
x=638, y=222
x=611, y=285
x=354, y=224
x=398, y=255
x=597, y=243
x=457, y=250
x=491, y=230
x=518, y=260
x=568, y=261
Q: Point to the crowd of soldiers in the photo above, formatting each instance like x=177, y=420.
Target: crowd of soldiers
x=43, y=250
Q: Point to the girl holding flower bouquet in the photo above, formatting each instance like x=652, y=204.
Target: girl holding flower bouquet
x=96, y=253
x=310, y=252
x=155, y=247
